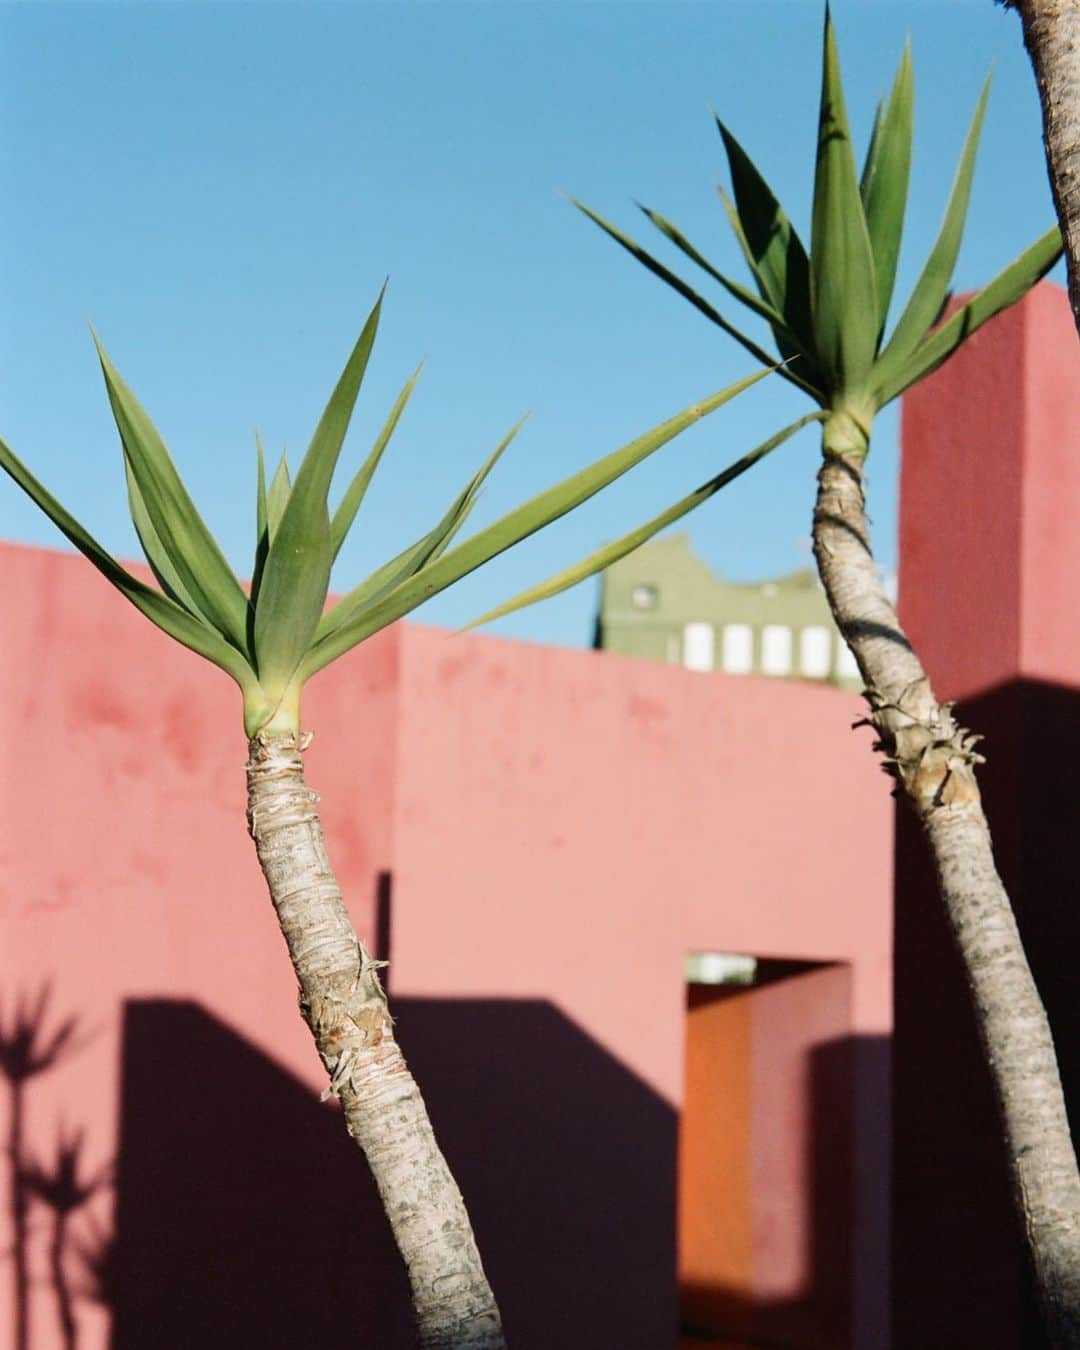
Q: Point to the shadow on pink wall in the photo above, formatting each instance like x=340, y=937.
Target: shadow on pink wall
x=242, y=1217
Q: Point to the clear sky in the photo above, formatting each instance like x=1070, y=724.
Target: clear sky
x=221, y=189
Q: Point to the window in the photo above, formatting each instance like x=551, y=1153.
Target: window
x=738, y=649
x=815, y=652
x=776, y=649
x=846, y=667
x=644, y=597
x=699, y=646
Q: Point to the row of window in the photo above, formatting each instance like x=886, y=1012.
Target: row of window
x=820, y=650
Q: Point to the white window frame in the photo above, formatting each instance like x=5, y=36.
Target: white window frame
x=776, y=649
x=815, y=652
x=699, y=646
x=737, y=649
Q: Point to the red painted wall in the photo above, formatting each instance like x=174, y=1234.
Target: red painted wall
x=560, y=828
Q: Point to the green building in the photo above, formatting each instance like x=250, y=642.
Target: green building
x=664, y=603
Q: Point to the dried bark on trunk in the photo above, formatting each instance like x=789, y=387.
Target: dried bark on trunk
x=343, y=1003
x=933, y=759
x=1052, y=39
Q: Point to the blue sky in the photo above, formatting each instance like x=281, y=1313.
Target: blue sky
x=221, y=189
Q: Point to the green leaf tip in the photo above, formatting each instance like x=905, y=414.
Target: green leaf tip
x=611, y=553
x=165, y=613
x=296, y=576
x=443, y=569
x=179, y=545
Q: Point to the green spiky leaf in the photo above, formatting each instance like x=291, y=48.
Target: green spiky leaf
x=871, y=152
x=884, y=184
x=165, y=613
x=357, y=489
x=762, y=308
x=181, y=534
x=156, y=554
x=427, y=548
x=296, y=577
x=277, y=498
x=271, y=508
x=611, y=553
x=688, y=293
x=843, y=295
x=770, y=243
x=1006, y=288
x=933, y=283
x=260, y=493
x=513, y=527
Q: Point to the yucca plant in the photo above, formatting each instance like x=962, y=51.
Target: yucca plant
x=271, y=642
x=828, y=309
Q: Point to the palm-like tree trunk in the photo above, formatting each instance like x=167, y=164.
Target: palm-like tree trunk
x=933, y=759
x=1052, y=39
x=343, y=1003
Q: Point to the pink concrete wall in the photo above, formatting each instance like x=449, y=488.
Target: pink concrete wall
x=660, y=811
x=990, y=496
x=561, y=828
x=635, y=791
x=125, y=870
x=990, y=570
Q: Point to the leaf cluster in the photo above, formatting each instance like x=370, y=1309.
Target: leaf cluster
x=827, y=307
x=276, y=637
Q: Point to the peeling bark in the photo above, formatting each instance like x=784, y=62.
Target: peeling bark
x=1052, y=38
x=342, y=1001
x=933, y=760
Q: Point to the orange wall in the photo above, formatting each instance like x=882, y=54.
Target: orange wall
x=716, y=1215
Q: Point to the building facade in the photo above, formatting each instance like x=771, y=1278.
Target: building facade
x=664, y=603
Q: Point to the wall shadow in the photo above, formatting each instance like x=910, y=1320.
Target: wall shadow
x=245, y=1218
x=959, y=1266
x=241, y=1216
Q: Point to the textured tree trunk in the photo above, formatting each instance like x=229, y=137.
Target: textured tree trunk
x=1052, y=39
x=343, y=1003
x=933, y=759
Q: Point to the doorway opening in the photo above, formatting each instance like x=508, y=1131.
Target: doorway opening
x=765, y=1154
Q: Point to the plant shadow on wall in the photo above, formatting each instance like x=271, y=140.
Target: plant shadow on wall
x=240, y=1221
x=29, y=1048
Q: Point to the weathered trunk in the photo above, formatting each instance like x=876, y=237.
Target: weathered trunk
x=343, y=1003
x=1052, y=38
x=933, y=759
